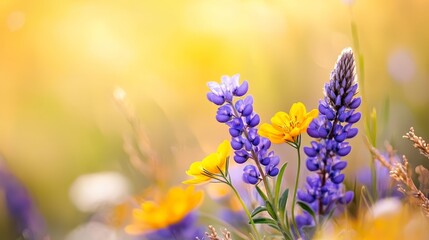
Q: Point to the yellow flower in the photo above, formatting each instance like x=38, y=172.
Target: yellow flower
x=287, y=127
x=212, y=163
x=168, y=210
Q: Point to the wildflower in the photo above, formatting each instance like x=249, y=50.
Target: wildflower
x=242, y=122
x=287, y=127
x=170, y=217
x=324, y=189
x=21, y=207
x=211, y=165
x=225, y=91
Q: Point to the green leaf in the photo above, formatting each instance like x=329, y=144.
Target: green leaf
x=264, y=221
x=270, y=210
x=258, y=210
x=279, y=183
x=262, y=194
x=308, y=209
x=275, y=227
x=283, y=199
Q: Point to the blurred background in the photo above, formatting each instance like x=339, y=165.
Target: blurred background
x=61, y=61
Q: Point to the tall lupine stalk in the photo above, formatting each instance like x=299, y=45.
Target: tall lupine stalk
x=238, y=114
x=242, y=122
x=324, y=189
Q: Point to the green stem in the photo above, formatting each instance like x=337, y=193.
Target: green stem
x=369, y=129
x=298, y=145
x=246, y=210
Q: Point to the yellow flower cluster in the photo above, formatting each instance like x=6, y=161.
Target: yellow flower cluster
x=287, y=127
x=169, y=210
x=212, y=164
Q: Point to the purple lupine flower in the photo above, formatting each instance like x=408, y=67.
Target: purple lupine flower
x=21, y=207
x=242, y=122
x=324, y=189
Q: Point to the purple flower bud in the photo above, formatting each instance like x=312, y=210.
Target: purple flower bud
x=338, y=179
x=312, y=132
x=239, y=159
x=330, y=114
x=309, y=151
x=323, y=132
x=240, y=91
x=352, y=132
x=341, y=137
x=339, y=165
x=305, y=197
x=344, y=151
x=253, y=120
x=236, y=143
x=248, y=109
x=218, y=100
x=251, y=174
x=235, y=132
x=338, y=101
x=265, y=161
x=312, y=165
x=348, y=98
x=354, y=118
x=355, y=103
x=272, y=171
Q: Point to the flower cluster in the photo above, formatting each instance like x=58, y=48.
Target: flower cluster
x=333, y=126
x=242, y=122
x=286, y=128
x=214, y=164
x=170, y=217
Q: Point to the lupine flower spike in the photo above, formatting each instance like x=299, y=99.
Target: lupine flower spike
x=324, y=189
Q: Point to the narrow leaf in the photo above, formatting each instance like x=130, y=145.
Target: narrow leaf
x=308, y=209
x=264, y=221
x=279, y=183
x=270, y=210
x=258, y=210
x=283, y=199
x=262, y=194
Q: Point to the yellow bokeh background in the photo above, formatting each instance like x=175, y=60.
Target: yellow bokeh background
x=60, y=62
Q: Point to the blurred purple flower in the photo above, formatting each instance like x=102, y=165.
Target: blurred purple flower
x=21, y=207
x=385, y=186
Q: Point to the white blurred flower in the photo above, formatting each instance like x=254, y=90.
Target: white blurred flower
x=90, y=191
x=401, y=65
x=386, y=207
x=93, y=231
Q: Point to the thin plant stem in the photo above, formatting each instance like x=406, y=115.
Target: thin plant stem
x=245, y=210
x=297, y=146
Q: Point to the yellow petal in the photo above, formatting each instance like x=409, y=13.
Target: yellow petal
x=298, y=111
x=268, y=131
x=280, y=120
x=295, y=132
